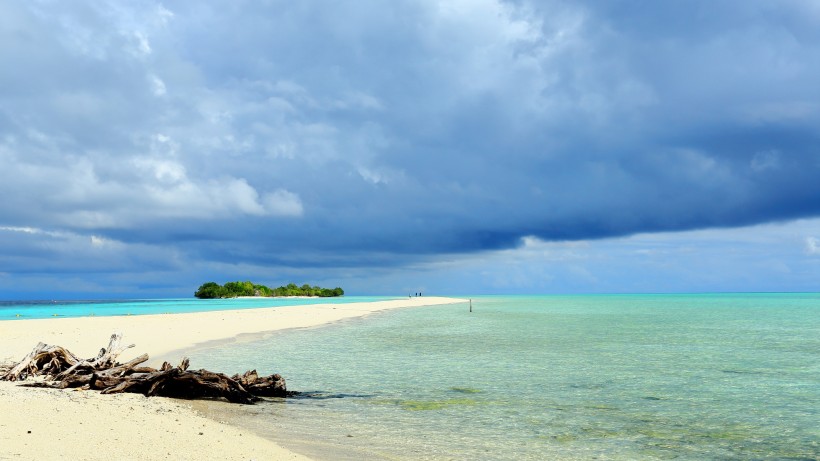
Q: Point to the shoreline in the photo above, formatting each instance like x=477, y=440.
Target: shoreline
x=55, y=417
x=161, y=334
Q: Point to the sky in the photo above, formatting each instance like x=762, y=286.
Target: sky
x=446, y=146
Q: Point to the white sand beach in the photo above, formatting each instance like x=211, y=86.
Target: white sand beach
x=47, y=424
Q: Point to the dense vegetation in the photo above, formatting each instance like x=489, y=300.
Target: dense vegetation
x=212, y=290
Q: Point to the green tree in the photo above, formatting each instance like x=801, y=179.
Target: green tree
x=210, y=290
x=233, y=289
x=262, y=290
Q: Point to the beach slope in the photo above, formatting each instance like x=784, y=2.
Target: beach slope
x=84, y=425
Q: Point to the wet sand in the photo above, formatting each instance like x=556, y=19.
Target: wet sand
x=48, y=424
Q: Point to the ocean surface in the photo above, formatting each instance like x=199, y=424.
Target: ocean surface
x=19, y=310
x=621, y=377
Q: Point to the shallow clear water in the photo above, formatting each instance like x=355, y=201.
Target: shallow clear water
x=576, y=377
x=19, y=310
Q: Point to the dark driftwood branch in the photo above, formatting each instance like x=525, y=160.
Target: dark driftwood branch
x=62, y=369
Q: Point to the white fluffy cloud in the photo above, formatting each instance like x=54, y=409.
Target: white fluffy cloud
x=813, y=245
x=384, y=133
x=86, y=192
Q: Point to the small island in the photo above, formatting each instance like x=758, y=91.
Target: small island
x=212, y=290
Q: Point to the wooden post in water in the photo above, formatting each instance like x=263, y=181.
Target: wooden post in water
x=471, y=304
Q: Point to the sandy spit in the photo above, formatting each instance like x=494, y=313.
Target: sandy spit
x=45, y=424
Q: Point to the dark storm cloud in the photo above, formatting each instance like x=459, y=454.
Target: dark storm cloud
x=373, y=134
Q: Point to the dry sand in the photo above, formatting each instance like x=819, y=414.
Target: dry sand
x=46, y=424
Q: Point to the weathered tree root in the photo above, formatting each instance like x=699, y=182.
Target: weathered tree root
x=62, y=369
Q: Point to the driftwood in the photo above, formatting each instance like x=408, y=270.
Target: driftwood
x=62, y=369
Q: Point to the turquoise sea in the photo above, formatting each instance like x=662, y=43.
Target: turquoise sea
x=20, y=310
x=616, y=377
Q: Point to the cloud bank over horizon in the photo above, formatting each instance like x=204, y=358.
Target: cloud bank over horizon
x=359, y=140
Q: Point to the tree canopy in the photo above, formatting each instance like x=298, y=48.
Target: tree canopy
x=211, y=290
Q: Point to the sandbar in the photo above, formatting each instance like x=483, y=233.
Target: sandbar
x=85, y=425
